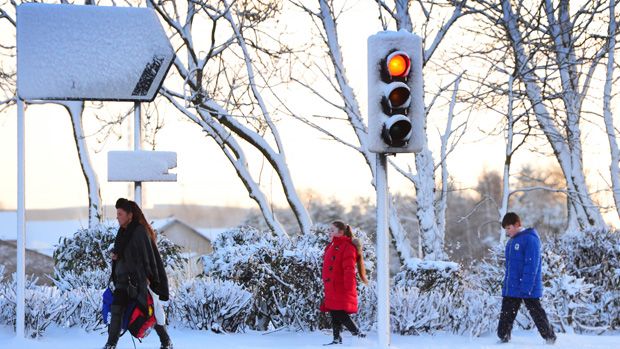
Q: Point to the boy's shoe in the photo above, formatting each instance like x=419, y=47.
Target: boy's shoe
x=551, y=341
x=167, y=345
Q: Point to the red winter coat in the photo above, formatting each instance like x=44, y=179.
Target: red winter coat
x=339, y=276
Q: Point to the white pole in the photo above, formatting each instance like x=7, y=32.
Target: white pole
x=383, y=270
x=137, y=140
x=21, y=223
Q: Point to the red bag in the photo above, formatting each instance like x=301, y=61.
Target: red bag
x=140, y=324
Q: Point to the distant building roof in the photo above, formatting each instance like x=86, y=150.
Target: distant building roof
x=211, y=233
x=41, y=236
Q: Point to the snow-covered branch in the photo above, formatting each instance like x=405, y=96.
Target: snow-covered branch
x=235, y=155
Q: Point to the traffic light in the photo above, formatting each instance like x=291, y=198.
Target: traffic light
x=396, y=112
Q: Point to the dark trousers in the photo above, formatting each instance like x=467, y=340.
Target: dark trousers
x=510, y=307
x=339, y=318
x=119, y=304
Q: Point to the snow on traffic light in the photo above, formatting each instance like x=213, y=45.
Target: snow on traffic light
x=396, y=112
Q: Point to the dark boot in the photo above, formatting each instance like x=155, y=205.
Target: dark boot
x=114, y=330
x=164, y=338
x=336, y=328
x=351, y=326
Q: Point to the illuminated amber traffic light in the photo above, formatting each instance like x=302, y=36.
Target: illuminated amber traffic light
x=398, y=64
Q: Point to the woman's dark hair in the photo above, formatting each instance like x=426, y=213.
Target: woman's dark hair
x=138, y=216
x=124, y=205
x=344, y=227
x=510, y=218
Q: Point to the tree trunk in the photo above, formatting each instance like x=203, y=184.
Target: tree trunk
x=614, y=169
x=95, y=208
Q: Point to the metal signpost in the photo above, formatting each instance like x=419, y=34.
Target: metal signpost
x=70, y=52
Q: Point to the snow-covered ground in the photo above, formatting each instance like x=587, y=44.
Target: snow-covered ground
x=57, y=338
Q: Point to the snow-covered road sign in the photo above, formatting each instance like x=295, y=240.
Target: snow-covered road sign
x=72, y=52
x=141, y=166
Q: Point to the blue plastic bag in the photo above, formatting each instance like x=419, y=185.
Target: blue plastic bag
x=106, y=309
x=108, y=298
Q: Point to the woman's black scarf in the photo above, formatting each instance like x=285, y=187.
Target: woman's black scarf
x=122, y=238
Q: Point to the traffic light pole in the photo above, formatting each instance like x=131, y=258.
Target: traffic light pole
x=383, y=269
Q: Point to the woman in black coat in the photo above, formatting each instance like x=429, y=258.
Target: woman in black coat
x=136, y=265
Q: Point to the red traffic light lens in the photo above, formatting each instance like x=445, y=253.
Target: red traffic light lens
x=398, y=64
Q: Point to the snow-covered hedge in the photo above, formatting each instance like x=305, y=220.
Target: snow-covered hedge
x=584, y=276
x=430, y=296
x=260, y=281
x=84, y=258
x=44, y=305
x=205, y=304
x=284, y=276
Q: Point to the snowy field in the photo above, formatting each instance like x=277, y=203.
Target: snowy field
x=56, y=338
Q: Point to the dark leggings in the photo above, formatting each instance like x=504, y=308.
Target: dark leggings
x=339, y=318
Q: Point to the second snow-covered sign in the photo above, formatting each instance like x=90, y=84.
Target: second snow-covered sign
x=141, y=166
x=72, y=52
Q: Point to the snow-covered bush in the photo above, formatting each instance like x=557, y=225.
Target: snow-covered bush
x=82, y=308
x=425, y=296
x=478, y=312
x=284, y=276
x=215, y=305
x=87, y=250
x=366, y=316
x=84, y=259
x=7, y=300
x=44, y=305
x=582, y=280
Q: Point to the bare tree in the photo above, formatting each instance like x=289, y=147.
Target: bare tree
x=554, y=59
x=222, y=87
x=430, y=210
x=608, y=116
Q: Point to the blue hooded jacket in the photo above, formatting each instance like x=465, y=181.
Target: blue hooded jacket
x=523, y=277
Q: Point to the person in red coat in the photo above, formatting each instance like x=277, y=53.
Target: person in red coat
x=339, y=281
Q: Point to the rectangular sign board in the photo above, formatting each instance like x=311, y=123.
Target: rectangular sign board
x=141, y=166
x=72, y=52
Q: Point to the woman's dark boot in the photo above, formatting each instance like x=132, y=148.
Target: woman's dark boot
x=336, y=331
x=164, y=338
x=114, y=330
x=352, y=327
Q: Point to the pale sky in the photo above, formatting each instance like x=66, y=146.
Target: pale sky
x=205, y=176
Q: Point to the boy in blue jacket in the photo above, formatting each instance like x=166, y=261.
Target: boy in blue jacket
x=523, y=279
